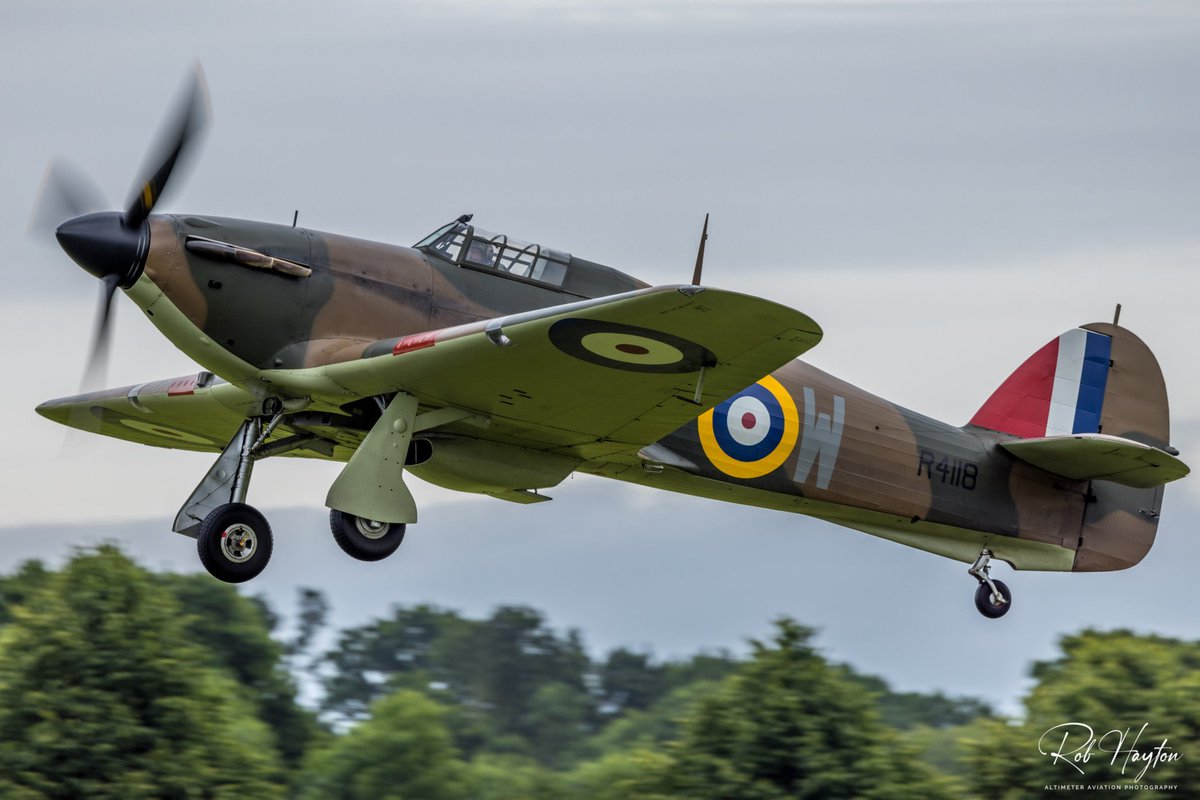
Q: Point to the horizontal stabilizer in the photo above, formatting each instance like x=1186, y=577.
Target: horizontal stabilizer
x=1097, y=456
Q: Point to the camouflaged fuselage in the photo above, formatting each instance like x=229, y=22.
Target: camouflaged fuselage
x=359, y=291
x=901, y=475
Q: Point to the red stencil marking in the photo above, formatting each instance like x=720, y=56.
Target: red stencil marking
x=182, y=386
x=416, y=341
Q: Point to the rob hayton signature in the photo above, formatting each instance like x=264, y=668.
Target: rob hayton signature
x=1077, y=743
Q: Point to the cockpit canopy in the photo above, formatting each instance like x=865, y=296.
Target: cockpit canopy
x=463, y=244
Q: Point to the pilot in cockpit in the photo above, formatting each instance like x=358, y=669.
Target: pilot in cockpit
x=482, y=253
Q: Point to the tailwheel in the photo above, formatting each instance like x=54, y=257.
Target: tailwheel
x=992, y=598
x=989, y=604
x=365, y=539
x=234, y=542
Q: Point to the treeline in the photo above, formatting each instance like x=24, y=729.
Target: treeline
x=119, y=682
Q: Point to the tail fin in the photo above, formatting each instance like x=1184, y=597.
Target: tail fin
x=1097, y=379
x=1058, y=390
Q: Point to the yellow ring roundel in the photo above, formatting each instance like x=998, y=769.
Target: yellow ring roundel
x=163, y=431
x=753, y=432
x=631, y=349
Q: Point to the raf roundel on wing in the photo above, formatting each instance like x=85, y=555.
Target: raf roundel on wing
x=628, y=347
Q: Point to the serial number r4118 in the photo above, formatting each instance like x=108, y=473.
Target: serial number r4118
x=952, y=471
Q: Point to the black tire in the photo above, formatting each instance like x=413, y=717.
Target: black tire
x=365, y=540
x=983, y=600
x=234, y=560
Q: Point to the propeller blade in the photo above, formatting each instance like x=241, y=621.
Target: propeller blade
x=97, y=363
x=183, y=126
x=66, y=192
x=96, y=368
x=112, y=245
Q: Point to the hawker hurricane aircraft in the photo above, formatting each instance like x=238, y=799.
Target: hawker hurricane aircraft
x=484, y=364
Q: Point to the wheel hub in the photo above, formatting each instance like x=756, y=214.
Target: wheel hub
x=370, y=528
x=238, y=543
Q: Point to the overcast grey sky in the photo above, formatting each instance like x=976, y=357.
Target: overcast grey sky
x=942, y=186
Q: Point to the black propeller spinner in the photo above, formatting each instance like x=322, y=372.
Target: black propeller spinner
x=112, y=245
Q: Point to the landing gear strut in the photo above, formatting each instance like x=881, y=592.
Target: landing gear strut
x=992, y=598
x=232, y=538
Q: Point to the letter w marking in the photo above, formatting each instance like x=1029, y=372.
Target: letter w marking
x=820, y=440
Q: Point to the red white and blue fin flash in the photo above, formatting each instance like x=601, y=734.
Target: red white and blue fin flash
x=1058, y=391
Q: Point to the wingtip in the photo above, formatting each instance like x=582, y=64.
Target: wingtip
x=52, y=410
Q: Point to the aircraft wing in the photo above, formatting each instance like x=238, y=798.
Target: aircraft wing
x=616, y=371
x=588, y=378
x=202, y=413
x=180, y=413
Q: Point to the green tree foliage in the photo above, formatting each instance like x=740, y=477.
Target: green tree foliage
x=790, y=725
x=511, y=678
x=636, y=774
x=369, y=660
x=314, y=611
x=234, y=632
x=15, y=590
x=653, y=728
x=631, y=680
x=104, y=694
x=403, y=751
x=701, y=667
x=906, y=710
x=558, y=719
x=504, y=664
x=118, y=683
x=500, y=777
x=1110, y=681
x=946, y=748
x=514, y=687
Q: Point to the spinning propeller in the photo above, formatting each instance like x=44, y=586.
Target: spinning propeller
x=112, y=245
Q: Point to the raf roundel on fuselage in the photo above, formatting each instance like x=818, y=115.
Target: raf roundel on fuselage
x=752, y=433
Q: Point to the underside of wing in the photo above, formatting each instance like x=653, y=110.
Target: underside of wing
x=196, y=413
x=587, y=378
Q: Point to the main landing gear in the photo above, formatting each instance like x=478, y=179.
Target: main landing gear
x=234, y=540
x=365, y=539
x=992, y=598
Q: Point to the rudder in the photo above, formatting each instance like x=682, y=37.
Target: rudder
x=1120, y=524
